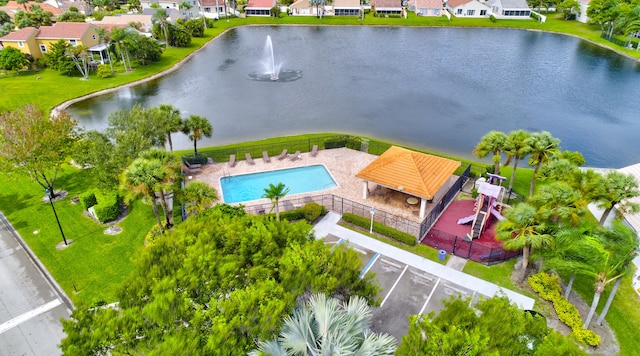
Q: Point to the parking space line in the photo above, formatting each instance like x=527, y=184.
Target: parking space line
x=369, y=264
x=336, y=244
x=394, y=285
x=429, y=298
x=390, y=263
x=28, y=315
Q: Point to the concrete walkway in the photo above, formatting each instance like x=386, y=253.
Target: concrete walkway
x=328, y=225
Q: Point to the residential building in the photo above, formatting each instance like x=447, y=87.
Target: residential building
x=426, y=7
x=468, y=8
x=259, y=7
x=510, y=9
x=36, y=41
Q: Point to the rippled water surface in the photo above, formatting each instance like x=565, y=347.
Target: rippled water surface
x=434, y=88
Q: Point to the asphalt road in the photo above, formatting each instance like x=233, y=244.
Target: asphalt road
x=31, y=305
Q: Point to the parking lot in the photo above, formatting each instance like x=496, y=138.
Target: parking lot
x=409, y=284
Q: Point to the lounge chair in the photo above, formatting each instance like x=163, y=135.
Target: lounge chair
x=288, y=205
x=308, y=200
x=295, y=156
x=265, y=157
x=314, y=151
x=247, y=156
x=192, y=167
x=232, y=161
x=283, y=155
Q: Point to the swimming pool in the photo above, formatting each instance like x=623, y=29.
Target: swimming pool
x=246, y=187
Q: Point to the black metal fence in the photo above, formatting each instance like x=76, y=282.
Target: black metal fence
x=472, y=250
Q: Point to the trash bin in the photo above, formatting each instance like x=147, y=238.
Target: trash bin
x=442, y=255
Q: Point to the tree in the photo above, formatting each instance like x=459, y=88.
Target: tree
x=134, y=5
x=80, y=58
x=198, y=197
x=160, y=18
x=56, y=57
x=169, y=118
x=568, y=8
x=493, y=142
x=275, y=193
x=134, y=131
x=324, y=326
x=197, y=127
x=619, y=188
x=167, y=183
x=97, y=153
x=36, y=145
x=522, y=230
x=179, y=36
x=145, y=49
x=559, y=203
x=71, y=16
x=317, y=4
x=12, y=59
x=143, y=177
x=543, y=147
x=493, y=327
x=119, y=37
x=184, y=8
x=516, y=147
x=212, y=286
x=4, y=18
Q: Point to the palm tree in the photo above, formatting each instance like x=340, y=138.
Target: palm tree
x=118, y=35
x=516, y=147
x=171, y=121
x=559, y=203
x=142, y=177
x=165, y=186
x=197, y=197
x=197, y=127
x=275, y=193
x=522, y=230
x=618, y=189
x=543, y=147
x=325, y=327
x=493, y=142
x=160, y=17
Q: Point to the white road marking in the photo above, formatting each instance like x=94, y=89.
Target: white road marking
x=395, y=284
x=28, y=315
x=429, y=298
x=390, y=263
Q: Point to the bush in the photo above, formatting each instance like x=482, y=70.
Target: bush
x=492, y=18
x=108, y=206
x=343, y=141
x=199, y=159
x=88, y=199
x=104, y=71
x=312, y=211
x=380, y=228
x=152, y=236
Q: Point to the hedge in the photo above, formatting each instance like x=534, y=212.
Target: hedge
x=88, y=199
x=548, y=287
x=343, y=141
x=108, y=206
x=309, y=212
x=380, y=228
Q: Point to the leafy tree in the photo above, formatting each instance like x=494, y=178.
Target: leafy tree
x=169, y=118
x=324, y=326
x=275, y=193
x=605, y=13
x=213, y=286
x=119, y=36
x=179, y=36
x=97, y=153
x=195, y=27
x=80, y=58
x=516, y=147
x=197, y=197
x=135, y=5
x=5, y=28
x=167, y=184
x=145, y=49
x=12, y=59
x=197, y=127
x=142, y=178
x=559, y=203
x=56, y=57
x=619, y=188
x=493, y=327
x=522, y=230
x=160, y=18
x=36, y=145
x=4, y=18
x=568, y=8
x=35, y=17
x=543, y=147
x=493, y=142
x=134, y=131
x=71, y=16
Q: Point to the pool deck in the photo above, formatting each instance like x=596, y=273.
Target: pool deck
x=342, y=163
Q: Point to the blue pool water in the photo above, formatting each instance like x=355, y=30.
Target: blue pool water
x=246, y=187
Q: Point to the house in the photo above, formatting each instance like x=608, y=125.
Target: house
x=347, y=7
x=426, y=7
x=172, y=14
x=84, y=7
x=36, y=42
x=510, y=9
x=143, y=23
x=468, y=8
x=582, y=16
x=302, y=8
x=212, y=8
x=387, y=7
x=12, y=7
x=259, y=7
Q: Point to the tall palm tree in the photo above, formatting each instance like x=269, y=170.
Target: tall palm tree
x=118, y=35
x=171, y=120
x=275, y=193
x=522, y=230
x=559, y=203
x=197, y=127
x=160, y=17
x=324, y=326
x=142, y=177
x=619, y=188
x=516, y=147
x=165, y=186
x=197, y=197
x=493, y=142
x=543, y=147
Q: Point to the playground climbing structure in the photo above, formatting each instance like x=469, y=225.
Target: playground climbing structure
x=489, y=203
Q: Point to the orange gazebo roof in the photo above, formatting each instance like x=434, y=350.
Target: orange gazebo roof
x=412, y=172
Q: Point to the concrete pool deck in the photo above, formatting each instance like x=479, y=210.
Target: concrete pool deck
x=342, y=163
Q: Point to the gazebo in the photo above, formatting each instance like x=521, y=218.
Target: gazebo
x=418, y=174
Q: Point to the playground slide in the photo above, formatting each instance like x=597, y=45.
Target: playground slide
x=466, y=219
x=497, y=214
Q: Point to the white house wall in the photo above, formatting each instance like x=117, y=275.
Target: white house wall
x=474, y=6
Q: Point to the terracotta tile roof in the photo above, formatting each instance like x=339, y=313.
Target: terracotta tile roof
x=456, y=3
x=346, y=3
x=68, y=30
x=386, y=3
x=110, y=26
x=21, y=35
x=261, y=3
x=46, y=7
x=415, y=173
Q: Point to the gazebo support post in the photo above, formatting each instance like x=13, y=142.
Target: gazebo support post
x=423, y=207
x=365, y=189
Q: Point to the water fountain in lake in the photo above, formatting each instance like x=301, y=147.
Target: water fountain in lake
x=272, y=71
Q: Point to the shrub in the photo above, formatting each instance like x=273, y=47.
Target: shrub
x=342, y=141
x=152, y=236
x=108, y=206
x=88, y=199
x=104, y=71
x=492, y=18
x=380, y=228
x=292, y=215
x=199, y=159
x=312, y=211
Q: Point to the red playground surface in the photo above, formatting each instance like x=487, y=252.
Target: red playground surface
x=448, y=222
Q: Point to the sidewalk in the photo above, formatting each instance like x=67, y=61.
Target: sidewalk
x=328, y=225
